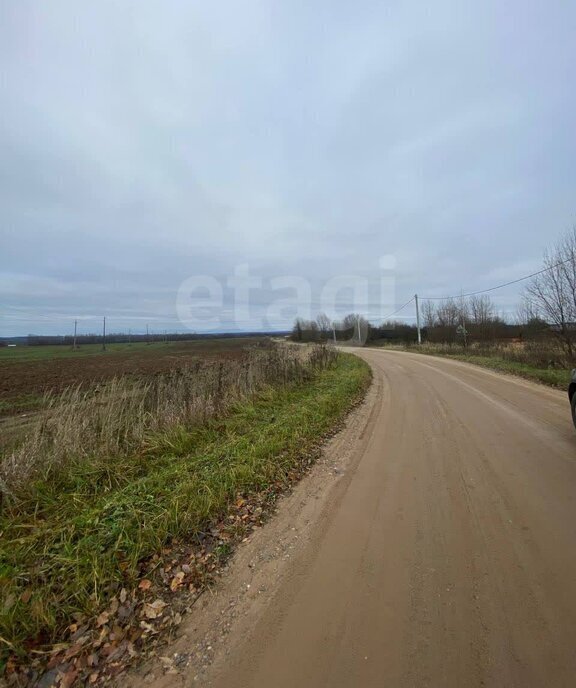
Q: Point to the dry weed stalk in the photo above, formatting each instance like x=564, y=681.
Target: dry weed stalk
x=102, y=423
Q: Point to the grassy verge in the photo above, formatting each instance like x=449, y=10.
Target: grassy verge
x=553, y=377
x=79, y=545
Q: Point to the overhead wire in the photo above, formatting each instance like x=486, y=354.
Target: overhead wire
x=399, y=309
x=499, y=286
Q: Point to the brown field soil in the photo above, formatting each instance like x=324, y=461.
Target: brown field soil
x=23, y=383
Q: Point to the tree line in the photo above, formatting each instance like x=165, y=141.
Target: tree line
x=547, y=310
x=452, y=322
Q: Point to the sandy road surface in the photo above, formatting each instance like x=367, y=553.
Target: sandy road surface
x=446, y=554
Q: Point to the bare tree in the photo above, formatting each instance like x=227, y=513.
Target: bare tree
x=526, y=311
x=449, y=316
x=528, y=318
x=305, y=330
x=553, y=292
x=464, y=309
x=482, y=316
x=354, y=322
x=481, y=310
x=324, y=324
x=297, y=330
x=428, y=314
x=449, y=313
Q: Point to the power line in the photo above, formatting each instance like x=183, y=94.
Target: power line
x=500, y=286
x=61, y=317
x=399, y=309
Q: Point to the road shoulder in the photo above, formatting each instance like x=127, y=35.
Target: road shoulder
x=224, y=614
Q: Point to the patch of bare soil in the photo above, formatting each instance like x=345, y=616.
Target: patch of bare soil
x=31, y=379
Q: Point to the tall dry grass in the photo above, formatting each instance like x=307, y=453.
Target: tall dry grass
x=85, y=427
x=540, y=354
x=543, y=361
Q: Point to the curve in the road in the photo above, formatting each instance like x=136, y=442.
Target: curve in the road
x=450, y=557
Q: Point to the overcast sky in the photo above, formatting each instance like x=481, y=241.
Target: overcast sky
x=142, y=143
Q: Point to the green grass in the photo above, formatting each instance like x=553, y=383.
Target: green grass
x=83, y=536
x=24, y=354
x=24, y=402
x=554, y=377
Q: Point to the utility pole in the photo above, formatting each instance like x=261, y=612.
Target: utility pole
x=358, y=327
x=75, y=328
x=104, y=334
x=334, y=333
x=418, y=319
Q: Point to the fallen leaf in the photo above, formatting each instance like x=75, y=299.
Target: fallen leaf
x=69, y=678
x=118, y=652
x=145, y=584
x=177, y=581
x=118, y=632
x=147, y=627
x=154, y=609
x=102, y=619
x=125, y=612
x=72, y=651
x=123, y=595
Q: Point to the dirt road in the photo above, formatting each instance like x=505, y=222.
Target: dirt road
x=446, y=554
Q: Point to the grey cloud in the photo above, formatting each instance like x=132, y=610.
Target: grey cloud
x=142, y=144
